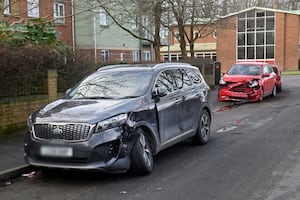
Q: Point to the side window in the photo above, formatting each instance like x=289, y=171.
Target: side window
x=165, y=80
x=194, y=76
x=267, y=69
x=270, y=69
x=181, y=78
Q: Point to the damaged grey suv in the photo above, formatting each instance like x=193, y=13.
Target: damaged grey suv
x=119, y=117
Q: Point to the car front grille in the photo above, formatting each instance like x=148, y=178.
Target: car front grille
x=66, y=132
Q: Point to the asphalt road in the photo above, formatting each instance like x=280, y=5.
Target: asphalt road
x=253, y=154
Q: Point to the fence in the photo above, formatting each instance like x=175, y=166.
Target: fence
x=15, y=109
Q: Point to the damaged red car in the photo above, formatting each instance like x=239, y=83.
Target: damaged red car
x=248, y=82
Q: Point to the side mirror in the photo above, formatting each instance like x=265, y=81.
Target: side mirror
x=68, y=91
x=160, y=92
x=266, y=75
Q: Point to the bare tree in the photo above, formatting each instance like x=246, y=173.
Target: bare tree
x=192, y=16
x=145, y=14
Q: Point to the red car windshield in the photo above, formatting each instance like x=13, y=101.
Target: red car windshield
x=242, y=69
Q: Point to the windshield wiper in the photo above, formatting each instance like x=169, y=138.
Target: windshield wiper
x=97, y=97
x=129, y=97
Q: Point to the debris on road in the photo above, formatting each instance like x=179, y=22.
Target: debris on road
x=29, y=175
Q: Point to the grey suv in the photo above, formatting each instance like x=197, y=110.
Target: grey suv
x=117, y=118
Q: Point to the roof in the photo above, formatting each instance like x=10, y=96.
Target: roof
x=294, y=12
x=144, y=66
x=251, y=63
x=197, y=47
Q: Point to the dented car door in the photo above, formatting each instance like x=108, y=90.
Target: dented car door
x=168, y=107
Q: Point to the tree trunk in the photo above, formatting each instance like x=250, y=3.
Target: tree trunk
x=157, y=19
x=182, y=39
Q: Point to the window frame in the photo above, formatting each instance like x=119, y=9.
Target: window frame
x=105, y=55
x=136, y=56
x=59, y=17
x=103, y=17
x=6, y=7
x=258, y=34
x=33, y=8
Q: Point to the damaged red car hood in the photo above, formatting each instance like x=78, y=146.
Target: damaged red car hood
x=239, y=78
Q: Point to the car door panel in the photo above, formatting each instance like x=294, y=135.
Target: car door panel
x=168, y=107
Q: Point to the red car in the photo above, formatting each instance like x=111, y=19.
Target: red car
x=248, y=81
x=278, y=77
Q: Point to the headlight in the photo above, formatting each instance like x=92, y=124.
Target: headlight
x=253, y=83
x=111, y=122
x=222, y=82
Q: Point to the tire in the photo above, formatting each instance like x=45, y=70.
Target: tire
x=274, y=91
x=141, y=155
x=279, y=89
x=203, y=132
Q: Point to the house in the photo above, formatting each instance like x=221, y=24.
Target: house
x=259, y=34
x=101, y=39
x=59, y=12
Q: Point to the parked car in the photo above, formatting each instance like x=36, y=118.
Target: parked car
x=117, y=118
x=248, y=81
x=277, y=71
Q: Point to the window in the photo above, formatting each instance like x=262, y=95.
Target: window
x=33, y=8
x=215, y=34
x=194, y=76
x=103, y=18
x=177, y=36
x=121, y=57
x=165, y=80
x=6, y=7
x=105, y=55
x=181, y=78
x=136, y=56
x=147, y=56
x=267, y=69
x=59, y=13
x=134, y=25
x=256, y=35
x=197, y=34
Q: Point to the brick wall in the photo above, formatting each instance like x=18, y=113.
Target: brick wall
x=16, y=114
x=291, y=41
x=287, y=41
x=226, y=42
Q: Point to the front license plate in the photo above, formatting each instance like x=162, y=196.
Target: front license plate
x=56, y=151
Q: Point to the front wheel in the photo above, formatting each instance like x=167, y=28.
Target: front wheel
x=274, y=92
x=203, y=132
x=141, y=156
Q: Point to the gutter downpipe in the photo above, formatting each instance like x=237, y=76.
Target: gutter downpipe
x=95, y=33
x=73, y=28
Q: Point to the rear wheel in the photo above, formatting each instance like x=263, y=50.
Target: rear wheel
x=203, y=132
x=278, y=88
x=141, y=156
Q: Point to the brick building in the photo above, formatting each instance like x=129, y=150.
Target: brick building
x=24, y=11
x=259, y=34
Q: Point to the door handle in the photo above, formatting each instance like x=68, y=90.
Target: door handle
x=178, y=101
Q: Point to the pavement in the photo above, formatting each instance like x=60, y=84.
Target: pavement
x=12, y=162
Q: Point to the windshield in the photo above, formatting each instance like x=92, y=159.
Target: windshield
x=242, y=69
x=113, y=85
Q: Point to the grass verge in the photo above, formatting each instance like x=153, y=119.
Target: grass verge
x=291, y=73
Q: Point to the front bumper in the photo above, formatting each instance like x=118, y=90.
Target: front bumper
x=251, y=94
x=98, y=152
